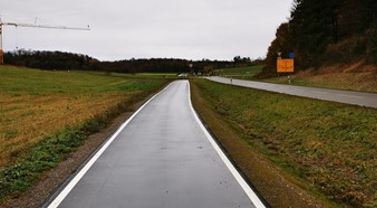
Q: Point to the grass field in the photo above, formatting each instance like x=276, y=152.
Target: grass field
x=242, y=72
x=45, y=115
x=35, y=104
x=331, y=147
x=169, y=75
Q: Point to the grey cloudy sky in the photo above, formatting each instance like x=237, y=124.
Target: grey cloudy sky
x=193, y=29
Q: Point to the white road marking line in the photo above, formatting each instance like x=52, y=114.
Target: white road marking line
x=68, y=188
x=249, y=192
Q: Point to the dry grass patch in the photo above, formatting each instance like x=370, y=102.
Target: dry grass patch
x=45, y=116
x=35, y=104
x=26, y=119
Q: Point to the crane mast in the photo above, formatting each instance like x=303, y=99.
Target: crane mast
x=14, y=24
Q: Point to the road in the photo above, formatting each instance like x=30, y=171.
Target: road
x=161, y=157
x=340, y=96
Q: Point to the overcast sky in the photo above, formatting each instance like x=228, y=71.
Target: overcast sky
x=123, y=29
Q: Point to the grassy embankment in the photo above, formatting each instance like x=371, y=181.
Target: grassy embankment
x=349, y=78
x=356, y=77
x=327, y=149
x=45, y=115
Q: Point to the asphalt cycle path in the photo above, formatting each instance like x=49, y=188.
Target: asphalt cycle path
x=162, y=157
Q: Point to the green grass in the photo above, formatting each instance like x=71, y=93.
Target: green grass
x=45, y=115
x=242, y=72
x=44, y=156
x=172, y=75
x=331, y=147
x=47, y=154
x=19, y=80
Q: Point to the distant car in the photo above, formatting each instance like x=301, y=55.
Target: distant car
x=182, y=76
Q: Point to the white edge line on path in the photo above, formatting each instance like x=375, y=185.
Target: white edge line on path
x=245, y=186
x=68, y=188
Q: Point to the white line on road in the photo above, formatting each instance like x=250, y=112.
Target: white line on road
x=249, y=192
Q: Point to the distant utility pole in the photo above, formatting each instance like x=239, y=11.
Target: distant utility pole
x=30, y=25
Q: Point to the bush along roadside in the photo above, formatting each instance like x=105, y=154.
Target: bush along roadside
x=19, y=176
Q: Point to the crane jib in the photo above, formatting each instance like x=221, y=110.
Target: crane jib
x=32, y=26
x=44, y=26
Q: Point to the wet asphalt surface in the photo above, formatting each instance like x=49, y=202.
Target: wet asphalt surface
x=340, y=96
x=162, y=159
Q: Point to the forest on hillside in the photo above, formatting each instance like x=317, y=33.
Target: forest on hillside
x=327, y=32
x=56, y=60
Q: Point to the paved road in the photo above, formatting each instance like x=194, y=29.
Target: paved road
x=341, y=96
x=162, y=157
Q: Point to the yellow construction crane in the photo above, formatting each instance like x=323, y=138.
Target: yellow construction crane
x=30, y=25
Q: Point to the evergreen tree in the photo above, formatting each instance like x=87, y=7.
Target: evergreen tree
x=319, y=30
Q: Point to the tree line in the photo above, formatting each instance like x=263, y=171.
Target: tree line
x=56, y=60
x=331, y=31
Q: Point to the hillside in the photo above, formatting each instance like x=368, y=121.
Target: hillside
x=327, y=33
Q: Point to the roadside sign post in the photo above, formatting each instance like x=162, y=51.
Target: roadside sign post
x=191, y=66
x=286, y=66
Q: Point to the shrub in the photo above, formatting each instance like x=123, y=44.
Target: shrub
x=346, y=51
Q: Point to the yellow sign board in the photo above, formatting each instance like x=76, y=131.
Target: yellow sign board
x=285, y=65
